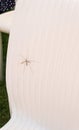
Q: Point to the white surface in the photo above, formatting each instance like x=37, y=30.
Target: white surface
x=6, y=21
x=46, y=33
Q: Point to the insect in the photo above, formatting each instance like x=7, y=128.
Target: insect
x=27, y=62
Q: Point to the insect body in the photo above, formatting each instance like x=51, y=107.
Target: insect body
x=27, y=62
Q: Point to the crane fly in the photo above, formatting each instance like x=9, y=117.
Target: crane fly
x=27, y=62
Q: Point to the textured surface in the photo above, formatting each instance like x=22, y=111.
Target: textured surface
x=4, y=109
x=6, y=5
x=1, y=62
x=45, y=88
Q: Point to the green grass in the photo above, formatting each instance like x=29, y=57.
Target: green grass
x=4, y=107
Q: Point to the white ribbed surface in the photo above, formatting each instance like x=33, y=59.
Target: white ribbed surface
x=46, y=32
